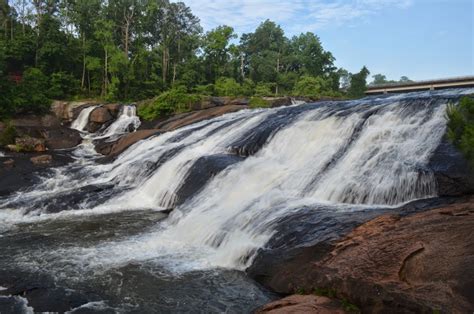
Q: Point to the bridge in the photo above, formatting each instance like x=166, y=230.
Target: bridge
x=456, y=82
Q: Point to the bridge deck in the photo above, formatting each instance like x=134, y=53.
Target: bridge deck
x=466, y=81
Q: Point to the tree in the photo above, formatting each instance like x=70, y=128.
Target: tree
x=312, y=86
x=358, y=83
x=217, y=51
x=379, y=79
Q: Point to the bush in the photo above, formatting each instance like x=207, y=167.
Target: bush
x=7, y=136
x=310, y=86
x=207, y=90
x=461, y=127
x=176, y=100
x=264, y=89
x=227, y=87
x=258, y=102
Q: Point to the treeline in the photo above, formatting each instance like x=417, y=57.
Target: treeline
x=137, y=49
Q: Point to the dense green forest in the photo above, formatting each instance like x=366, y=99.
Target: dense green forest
x=139, y=49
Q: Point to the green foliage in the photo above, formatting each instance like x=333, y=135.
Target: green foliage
x=258, y=102
x=7, y=136
x=124, y=50
x=176, y=100
x=264, y=90
x=312, y=86
x=358, y=83
x=63, y=85
x=207, y=90
x=227, y=87
x=325, y=292
x=350, y=307
x=461, y=127
x=31, y=94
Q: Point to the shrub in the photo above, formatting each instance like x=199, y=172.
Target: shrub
x=264, y=89
x=207, y=90
x=461, y=127
x=175, y=100
x=311, y=86
x=7, y=136
x=258, y=102
x=227, y=87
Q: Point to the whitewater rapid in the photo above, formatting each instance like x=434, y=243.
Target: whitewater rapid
x=340, y=156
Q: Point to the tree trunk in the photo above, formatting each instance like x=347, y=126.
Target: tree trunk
x=165, y=64
x=242, y=73
x=106, y=79
x=83, y=61
x=174, y=72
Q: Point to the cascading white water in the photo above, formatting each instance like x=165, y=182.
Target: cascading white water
x=344, y=155
x=82, y=119
x=127, y=120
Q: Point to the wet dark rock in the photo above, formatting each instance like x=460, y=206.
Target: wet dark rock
x=61, y=138
x=253, y=141
x=22, y=173
x=201, y=172
x=41, y=293
x=453, y=175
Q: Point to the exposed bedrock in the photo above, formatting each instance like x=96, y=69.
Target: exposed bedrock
x=392, y=263
x=303, y=304
x=203, y=169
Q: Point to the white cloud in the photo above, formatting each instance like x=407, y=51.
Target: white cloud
x=293, y=15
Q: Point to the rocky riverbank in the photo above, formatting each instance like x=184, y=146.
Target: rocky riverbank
x=394, y=263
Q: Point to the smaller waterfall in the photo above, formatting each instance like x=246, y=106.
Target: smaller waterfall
x=126, y=122
x=81, y=121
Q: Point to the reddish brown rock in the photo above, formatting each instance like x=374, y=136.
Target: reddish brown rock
x=303, y=304
x=114, y=109
x=100, y=115
x=418, y=263
x=116, y=148
x=41, y=160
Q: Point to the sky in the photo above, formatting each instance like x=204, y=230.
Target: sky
x=421, y=39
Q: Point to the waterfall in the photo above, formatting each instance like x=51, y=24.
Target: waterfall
x=127, y=121
x=82, y=119
x=338, y=156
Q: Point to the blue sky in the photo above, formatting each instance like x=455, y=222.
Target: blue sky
x=422, y=39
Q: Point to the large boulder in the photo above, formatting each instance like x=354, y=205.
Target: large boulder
x=416, y=263
x=61, y=138
x=99, y=118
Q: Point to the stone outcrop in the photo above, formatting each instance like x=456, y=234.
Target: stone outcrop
x=303, y=304
x=42, y=160
x=416, y=263
x=40, y=133
x=116, y=148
